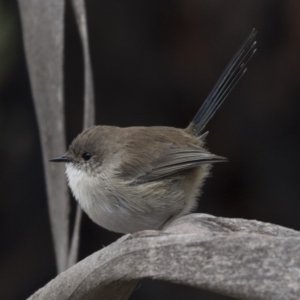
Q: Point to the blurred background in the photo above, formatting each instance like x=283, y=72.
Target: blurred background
x=154, y=62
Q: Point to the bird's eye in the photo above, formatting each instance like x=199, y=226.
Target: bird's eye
x=86, y=156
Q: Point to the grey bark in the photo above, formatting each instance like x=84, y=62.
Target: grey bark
x=89, y=102
x=43, y=36
x=43, y=33
x=239, y=258
x=88, y=111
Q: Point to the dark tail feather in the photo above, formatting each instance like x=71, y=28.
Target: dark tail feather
x=229, y=78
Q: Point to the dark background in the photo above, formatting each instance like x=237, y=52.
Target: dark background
x=154, y=62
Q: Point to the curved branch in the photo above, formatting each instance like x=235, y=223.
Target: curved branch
x=43, y=36
x=235, y=257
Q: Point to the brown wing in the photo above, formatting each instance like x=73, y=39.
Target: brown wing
x=177, y=159
x=155, y=152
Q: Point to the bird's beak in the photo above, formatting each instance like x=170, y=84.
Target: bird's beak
x=63, y=158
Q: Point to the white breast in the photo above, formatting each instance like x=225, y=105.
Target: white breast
x=94, y=196
x=120, y=206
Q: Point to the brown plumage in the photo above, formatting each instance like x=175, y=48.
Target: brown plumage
x=136, y=178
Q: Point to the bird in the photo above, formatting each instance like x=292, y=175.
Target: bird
x=143, y=178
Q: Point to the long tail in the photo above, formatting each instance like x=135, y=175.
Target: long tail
x=229, y=78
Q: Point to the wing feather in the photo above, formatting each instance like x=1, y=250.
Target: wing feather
x=177, y=159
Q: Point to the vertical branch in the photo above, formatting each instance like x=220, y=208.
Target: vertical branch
x=73, y=253
x=89, y=102
x=43, y=36
x=89, y=108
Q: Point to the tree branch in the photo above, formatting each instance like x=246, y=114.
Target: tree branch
x=88, y=111
x=43, y=37
x=234, y=257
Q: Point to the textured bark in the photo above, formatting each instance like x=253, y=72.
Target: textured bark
x=89, y=108
x=43, y=33
x=43, y=36
x=89, y=102
x=234, y=257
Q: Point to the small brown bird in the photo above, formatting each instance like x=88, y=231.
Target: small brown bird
x=137, y=178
